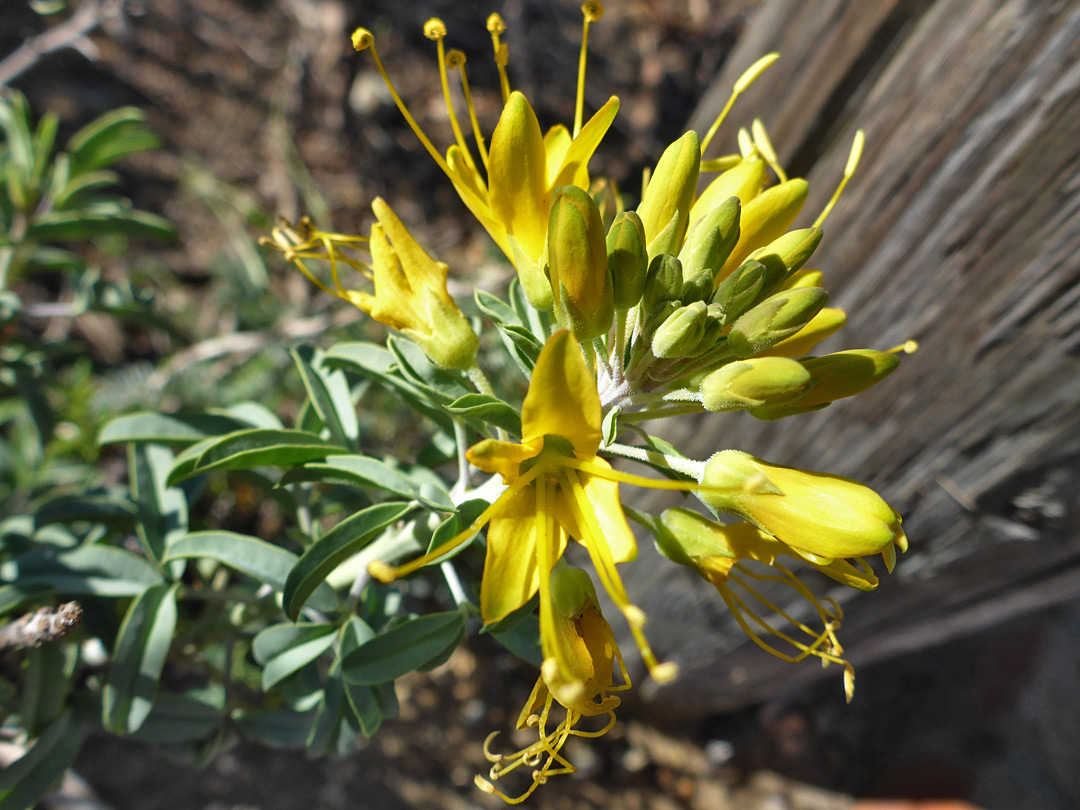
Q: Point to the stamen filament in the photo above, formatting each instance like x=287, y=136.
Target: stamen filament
x=765, y=149
x=438, y=33
x=592, y=11
x=495, y=27
x=456, y=60
x=852, y=164
x=741, y=84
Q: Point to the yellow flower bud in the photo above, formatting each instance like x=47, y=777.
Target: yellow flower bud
x=765, y=218
x=786, y=255
x=821, y=326
x=670, y=192
x=706, y=247
x=744, y=181
x=663, y=282
x=628, y=260
x=755, y=382
x=835, y=376
x=825, y=516
x=681, y=332
x=803, y=278
x=578, y=264
x=777, y=317
x=738, y=292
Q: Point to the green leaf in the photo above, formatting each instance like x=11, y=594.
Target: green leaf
x=96, y=570
x=141, y=648
x=409, y=646
x=47, y=676
x=258, y=447
x=496, y=309
x=24, y=781
x=89, y=222
x=522, y=346
x=109, y=137
x=414, y=365
x=11, y=596
x=108, y=509
x=364, y=471
x=282, y=649
x=330, y=396
x=278, y=728
x=167, y=428
x=163, y=512
x=610, y=426
x=250, y=556
x=487, y=409
x=334, y=547
x=184, y=717
x=523, y=639
x=82, y=186
x=467, y=512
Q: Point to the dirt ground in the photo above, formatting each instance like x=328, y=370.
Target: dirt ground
x=265, y=109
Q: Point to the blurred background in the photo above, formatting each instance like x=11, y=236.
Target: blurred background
x=961, y=230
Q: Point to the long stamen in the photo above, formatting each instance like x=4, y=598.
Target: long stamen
x=388, y=573
x=364, y=40
x=435, y=29
x=765, y=149
x=496, y=27
x=455, y=60
x=592, y=11
x=852, y=164
x=743, y=82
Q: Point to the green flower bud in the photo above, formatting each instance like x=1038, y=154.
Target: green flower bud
x=744, y=181
x=777, y=317
x=803, y=278
x=824, y=516
x=663, y=282
x=707, y=247
x=681, y=332
x=738, y=292
x=786, y=255
x=628, y=260
x=765, y=218
x=577, y=261
x=753, y=383
x=671, y=190
x=833, y=377
x=821, y=326
x=714, y=330
x=572, y=591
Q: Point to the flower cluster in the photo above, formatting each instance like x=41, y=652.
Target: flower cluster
x=690, y=302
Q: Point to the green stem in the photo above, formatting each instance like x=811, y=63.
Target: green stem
x=453, y=581
x=480, y=380
x=461, y=440
x=682, y=466
x=660, y=413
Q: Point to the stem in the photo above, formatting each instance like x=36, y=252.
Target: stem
x=462, y=462
x=682, y=466
x=620, y=342
x=480, y=380
x=457, y=590
x=661, y=413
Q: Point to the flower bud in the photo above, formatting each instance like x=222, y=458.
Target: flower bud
x=671, y=190
x=706, y=247
x=681, y=332
x=663, y=282
x=803, y=278
x=738, y=292
x=571, y=591
x=833, y=377
x=786, y=255
x=628, y=261
x=744, y=181
x=755, y=382
x=765, y=218
x=821, y=326
x=577, y=260
x=824, y=516
x=714, y=330
x=777, y=317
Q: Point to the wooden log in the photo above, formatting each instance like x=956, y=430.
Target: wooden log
x=961, y=229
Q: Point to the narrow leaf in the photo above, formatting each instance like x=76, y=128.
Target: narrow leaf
x=409, y=646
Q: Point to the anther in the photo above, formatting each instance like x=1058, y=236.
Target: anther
x=593, y=11
x=484, y=784
x=381, y=571
x=455, y=59
x=665, y=672
x=635, y=616
x=907, y=347
x=539, y=777
x=434, y=28
x=532, y=721
x=362, y=39
x=487, y=748
x=495, y=24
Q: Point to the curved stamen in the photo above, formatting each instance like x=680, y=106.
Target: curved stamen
x=744, y=81
x=592, y=12
x=765, y=149
x=455, y=60
x=497, y=27
x=363, y=40
x=435, y=29
x=852, y=164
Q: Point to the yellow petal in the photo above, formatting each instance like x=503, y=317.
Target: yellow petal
x=420, y=269
x=504, y=458
x=575, y=165
x=603, y=496
x=562, y=398
x=511, y=575
x=556, y=142
x=517, y=175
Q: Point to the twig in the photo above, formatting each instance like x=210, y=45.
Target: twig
x=46, y=624
x=90, y=15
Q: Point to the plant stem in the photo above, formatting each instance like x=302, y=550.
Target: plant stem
x=683, y=466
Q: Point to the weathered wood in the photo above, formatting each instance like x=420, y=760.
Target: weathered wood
x=962, y=230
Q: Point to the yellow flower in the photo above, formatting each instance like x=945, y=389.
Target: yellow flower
x=578, y=673
x=823, y=517
x=716, y=552
x=509, y=187
x=409, y=286
x=557, y=489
